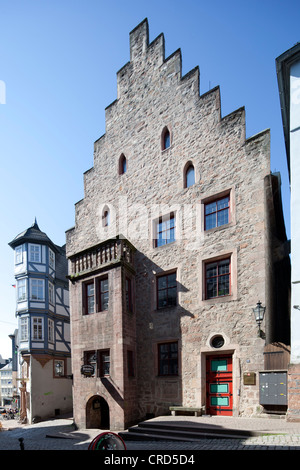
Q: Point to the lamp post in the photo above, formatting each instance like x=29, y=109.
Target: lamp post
x=259, y=312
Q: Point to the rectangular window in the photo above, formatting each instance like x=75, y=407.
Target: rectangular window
x=37, y=291
x=166, y=290
x=50, y=330
x=165, y=230
x=89, y=297
x=51, y=293
x=90, y=358
x=216, y=213
x=168, y=358
x=128, y=293
x=103, y=294
x=21, y=290
x=51, y=259
x=34, y=253
x=217, y=278
x=24, y=329
x=130, y=364
x=95, y=296
x=19, y=254
x=37, y=328
x=104, y=363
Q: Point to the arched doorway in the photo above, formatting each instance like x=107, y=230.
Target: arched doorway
x=97, y=413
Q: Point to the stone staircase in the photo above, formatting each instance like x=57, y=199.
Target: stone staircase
x=156, y=430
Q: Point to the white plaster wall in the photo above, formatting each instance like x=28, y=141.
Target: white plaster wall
x=295, y=211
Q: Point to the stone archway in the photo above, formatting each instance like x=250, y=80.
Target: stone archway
x=97, y=413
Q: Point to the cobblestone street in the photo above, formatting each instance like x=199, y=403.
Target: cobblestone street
x=59, y=434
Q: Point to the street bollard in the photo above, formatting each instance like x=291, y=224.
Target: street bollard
x=21, y=440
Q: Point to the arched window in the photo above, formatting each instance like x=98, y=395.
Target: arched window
x=122, y=164
x=189, y=175
x=166, y=139
x=105, y=217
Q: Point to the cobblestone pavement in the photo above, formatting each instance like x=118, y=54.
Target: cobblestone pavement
x=59, y=434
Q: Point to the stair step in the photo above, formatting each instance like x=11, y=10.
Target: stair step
x=153, y=431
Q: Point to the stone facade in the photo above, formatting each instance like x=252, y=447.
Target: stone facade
x=153, y=97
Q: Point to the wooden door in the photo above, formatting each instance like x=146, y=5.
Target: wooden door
x=219, y=385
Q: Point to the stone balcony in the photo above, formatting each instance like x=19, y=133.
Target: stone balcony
x=99, y=257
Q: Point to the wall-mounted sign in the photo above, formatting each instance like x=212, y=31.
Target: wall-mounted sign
x=249, y=378
x=87, y=370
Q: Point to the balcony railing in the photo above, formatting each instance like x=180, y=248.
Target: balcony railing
x=99, y=256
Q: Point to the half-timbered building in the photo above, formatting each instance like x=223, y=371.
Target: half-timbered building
x=42, y=309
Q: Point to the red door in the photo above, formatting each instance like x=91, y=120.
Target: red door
x=219, y=385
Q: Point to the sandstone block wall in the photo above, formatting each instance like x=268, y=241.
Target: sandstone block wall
x=153, y=95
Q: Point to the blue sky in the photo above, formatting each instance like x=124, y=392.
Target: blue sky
x=58, y=62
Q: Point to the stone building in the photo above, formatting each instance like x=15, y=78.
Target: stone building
x=178, y=237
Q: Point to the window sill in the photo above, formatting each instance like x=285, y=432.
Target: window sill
x=219, y=300
x=161, y=309
x=163, y=246
x=216, y=229
x=166, y=149
x=175, y=377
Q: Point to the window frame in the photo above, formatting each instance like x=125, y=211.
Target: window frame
x=130, y=363
x=187, y=168
x=128, y=294
x=217, y=212
x=98, y=303
x=24, y=330
x=22, y=298
x=102, y=362
x=166, y=134
x=51, y=259
x=122, y=164
x=51, y=293
x=32, y=288
x=169, y=372
x=90, y=357
x=163, y=220
x=218, y=277
x=37, y=329
x=34, y=253
x=85, y=297
x=167, y=288
x=50, y=330
x=19, y=254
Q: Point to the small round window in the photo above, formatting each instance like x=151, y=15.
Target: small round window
x=217, y=341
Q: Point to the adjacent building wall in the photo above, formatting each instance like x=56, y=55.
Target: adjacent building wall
x=288, y=73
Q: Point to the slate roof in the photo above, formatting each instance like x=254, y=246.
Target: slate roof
x=33, y=234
